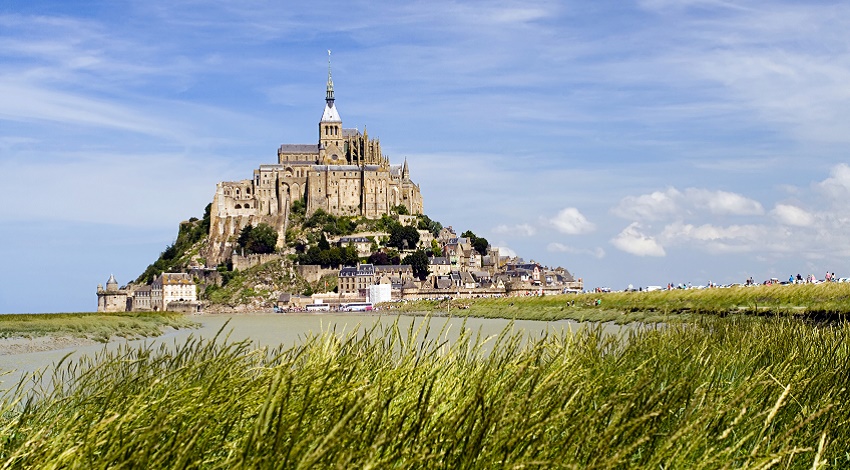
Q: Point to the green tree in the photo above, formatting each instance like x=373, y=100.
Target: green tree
x=379, y=258
x=425, y=223
x=394, y=257
x=403, y=237
x=298, y=208
x=400, y=210
x=349, y=256
x=435, y=248
x=418, y=260
x=480, y=244
x=323, y=243
x=259, y=239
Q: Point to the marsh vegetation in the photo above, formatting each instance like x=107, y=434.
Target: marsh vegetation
x=827, y=301
x=96, y=326
x=718, y=392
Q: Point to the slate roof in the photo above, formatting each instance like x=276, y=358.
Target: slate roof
x=393, y=268
x=361, y=270
x=175, y=278
x=346, y=240
x=299, y=148
x=443, y=283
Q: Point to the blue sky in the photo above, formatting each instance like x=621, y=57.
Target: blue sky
x=632, y=142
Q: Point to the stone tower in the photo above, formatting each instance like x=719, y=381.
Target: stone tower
x=111, y=299
x=330, y=128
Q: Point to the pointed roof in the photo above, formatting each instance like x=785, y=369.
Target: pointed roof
x=330, y=114
x=111, y=280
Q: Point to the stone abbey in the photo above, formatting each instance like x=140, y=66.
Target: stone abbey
x=344, y=173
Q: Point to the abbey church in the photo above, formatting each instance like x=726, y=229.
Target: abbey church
x=344, y=173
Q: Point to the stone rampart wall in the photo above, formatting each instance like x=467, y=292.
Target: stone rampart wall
x=242, y=263
x=314, y=272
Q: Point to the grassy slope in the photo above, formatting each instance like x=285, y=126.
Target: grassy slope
x=742, y=393
x=98, y=326
x=262, y=284
x=830, y=301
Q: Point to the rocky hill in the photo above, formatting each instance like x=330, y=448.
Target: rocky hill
x=258, y=272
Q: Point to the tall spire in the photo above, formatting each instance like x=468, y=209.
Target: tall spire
x=330, y=96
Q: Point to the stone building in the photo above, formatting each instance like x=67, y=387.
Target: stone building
x=172, y=287
x=111, y=299
x=345, y=174
x=355, y=280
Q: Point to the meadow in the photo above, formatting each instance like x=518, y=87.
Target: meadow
x=734, y=392
x=825, y=302
x=97, y=326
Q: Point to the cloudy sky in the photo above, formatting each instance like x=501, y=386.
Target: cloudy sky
x=632, y=142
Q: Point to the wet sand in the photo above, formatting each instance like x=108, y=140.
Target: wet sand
x=19, y=356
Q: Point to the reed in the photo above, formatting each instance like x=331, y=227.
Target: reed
x=716, y=393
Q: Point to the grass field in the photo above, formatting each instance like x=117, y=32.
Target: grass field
x=828, y=301
x=97, y=326
x=739, y=392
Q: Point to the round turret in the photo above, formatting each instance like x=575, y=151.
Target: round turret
x=111, y=284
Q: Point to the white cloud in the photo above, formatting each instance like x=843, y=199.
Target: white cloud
x=25, y=102
x=572, y=222
x=652, y=206
x=708, y=232
x=521, y=230
x=792, y=215
x=633, y=241
x=672, y=203
x=556, y=247
x=837, y=186
x=723, y=202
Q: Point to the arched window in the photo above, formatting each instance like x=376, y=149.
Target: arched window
x=238, y=206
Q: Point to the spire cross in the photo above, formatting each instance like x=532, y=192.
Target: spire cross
x=330, y=94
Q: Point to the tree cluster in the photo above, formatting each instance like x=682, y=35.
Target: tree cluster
x=480, y=244
x=331, y=224
x=425, y=223
x=418, y=261
x=380, y=258
x=403, y=237
x=329, y=256
x=261, y=239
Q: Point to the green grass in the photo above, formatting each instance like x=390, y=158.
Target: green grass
x=98, y=326
x=718, y=393
x=830, y=301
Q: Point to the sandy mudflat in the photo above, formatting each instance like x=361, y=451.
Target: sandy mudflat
x=21, y=345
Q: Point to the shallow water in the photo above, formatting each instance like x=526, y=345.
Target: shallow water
x=286, y=330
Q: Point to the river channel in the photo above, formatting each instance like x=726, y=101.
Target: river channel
x=287, y=330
